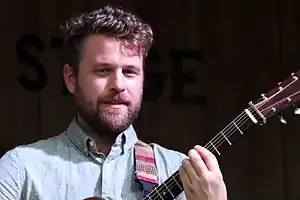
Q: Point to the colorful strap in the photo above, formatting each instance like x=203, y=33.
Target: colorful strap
x=145, y=167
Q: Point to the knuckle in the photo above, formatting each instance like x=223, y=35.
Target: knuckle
x=199, y=180
x=206, y=178
x=211, y=155
x=192, y=190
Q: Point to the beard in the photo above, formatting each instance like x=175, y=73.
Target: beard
x=109, y=121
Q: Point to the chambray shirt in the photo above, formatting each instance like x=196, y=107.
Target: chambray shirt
x=68, y=166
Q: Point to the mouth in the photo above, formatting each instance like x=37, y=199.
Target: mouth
x=116, y=103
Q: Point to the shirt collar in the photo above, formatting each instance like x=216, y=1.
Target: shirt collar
x=85, y=144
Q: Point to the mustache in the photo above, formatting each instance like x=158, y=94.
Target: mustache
x=116, y=99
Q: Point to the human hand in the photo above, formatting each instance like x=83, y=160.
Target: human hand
x=201, y=176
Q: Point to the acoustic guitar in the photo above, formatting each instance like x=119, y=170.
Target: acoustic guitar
x=285, y=95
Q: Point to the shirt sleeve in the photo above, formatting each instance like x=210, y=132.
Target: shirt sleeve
x=10, y=182
x=169, y=161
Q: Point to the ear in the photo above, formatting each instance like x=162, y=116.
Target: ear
x=69, y=78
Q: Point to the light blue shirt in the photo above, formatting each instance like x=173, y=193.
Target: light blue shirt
x=68, y=167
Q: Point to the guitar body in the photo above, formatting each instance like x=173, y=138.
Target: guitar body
x=285, y=95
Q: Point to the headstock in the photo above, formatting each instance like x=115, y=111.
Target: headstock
x=285, y=95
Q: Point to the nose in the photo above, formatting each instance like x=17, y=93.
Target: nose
x=117, y=82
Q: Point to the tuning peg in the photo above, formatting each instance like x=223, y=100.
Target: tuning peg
x=282, y=120
x=263, y=96
x=297, y=111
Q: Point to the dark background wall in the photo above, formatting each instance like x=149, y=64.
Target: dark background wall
x=237, y=50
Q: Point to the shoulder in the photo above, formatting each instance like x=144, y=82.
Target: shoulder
x=169, y=156
x=167, y=160
x=167, y=153
x=36, y=150
x=18, y=162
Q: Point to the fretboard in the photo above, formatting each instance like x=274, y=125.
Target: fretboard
x=172, y=187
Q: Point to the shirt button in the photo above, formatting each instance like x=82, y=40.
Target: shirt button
x=90, y=143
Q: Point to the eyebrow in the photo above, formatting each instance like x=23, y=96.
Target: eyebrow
x=103, y=64
x=107, y=64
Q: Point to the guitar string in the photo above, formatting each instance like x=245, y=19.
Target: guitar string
x=216, y=142
x=288, y=98
x=176, y=175
x=228, y=130
x=255, y=114
x=217, y=137
x=170, y=184
x=259, y=105
x=278, y=102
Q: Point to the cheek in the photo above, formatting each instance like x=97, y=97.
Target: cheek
x=135, y=91
x=98, y=86
x=91, y=88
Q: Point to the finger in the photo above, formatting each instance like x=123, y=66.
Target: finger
x=209, y=158
x=184, y=177
x=189, y=170
x=197, y=163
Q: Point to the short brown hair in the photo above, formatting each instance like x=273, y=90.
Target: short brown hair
x=110, y=21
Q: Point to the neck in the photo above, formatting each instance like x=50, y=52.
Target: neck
x=103, y=141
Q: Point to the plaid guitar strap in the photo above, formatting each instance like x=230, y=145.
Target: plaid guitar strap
x=145, y=167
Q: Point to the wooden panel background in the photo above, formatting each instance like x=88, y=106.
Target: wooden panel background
x=243, y=49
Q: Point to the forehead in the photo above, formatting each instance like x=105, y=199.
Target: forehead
x=98, y=48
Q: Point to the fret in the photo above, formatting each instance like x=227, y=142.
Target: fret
x=169, y=190
x=172, y=187
x=158, y=193
x=176, y=182
x=238, y=128
x=226, y=138
x=215, y=148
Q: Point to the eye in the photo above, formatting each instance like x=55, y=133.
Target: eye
x=102, y=70
x=130, y=72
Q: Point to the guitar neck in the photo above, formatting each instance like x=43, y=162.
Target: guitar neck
x=172, y=187
x=274, y=101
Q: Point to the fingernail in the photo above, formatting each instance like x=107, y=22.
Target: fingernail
x=185, y=161
x=193, y=152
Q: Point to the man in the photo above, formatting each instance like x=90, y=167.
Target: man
x=104, y=71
